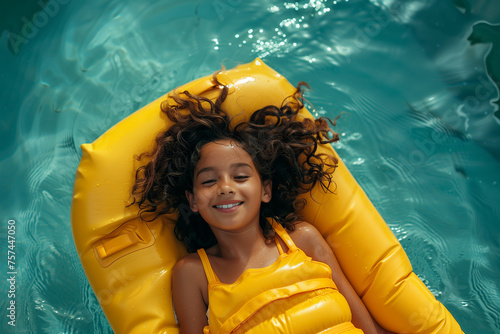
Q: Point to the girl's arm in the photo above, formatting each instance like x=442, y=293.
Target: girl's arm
x=308, y=238
x=188, y=282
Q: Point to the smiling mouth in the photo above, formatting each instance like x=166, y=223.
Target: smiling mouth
x=227, y=206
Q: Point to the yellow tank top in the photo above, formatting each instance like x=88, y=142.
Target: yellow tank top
x=293, y=295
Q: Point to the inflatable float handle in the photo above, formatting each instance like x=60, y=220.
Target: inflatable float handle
x=113, y=245
x=128, y=238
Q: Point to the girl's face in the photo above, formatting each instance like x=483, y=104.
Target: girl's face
x=227, y=188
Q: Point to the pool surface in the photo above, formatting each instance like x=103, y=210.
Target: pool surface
x=415, y=83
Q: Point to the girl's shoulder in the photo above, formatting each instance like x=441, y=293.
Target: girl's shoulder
x=189, y=292
x=189, y=276
x=304, y=234
x=304, y=231
x=189, y=264
x=310, y=241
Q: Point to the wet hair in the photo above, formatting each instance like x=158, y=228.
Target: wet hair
x=282, y=144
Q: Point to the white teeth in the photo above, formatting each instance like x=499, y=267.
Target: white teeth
x=227, y=206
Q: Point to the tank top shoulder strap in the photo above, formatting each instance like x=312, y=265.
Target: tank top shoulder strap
x=283, y=234
x=209, y=272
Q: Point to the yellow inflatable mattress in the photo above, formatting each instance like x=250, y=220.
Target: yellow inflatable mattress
x=129, y=262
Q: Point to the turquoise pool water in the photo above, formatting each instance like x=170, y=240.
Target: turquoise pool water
x=414, y=82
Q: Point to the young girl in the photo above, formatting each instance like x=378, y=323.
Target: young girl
x=253, y=264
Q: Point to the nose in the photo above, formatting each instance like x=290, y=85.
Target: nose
x=225, y=187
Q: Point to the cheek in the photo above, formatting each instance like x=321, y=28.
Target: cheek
x=202, y=199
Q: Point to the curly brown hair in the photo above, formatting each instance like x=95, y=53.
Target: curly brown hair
x=282, y=144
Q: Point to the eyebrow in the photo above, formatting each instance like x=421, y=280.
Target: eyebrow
x=233, y=166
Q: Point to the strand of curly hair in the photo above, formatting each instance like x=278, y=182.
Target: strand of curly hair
x=282, y=145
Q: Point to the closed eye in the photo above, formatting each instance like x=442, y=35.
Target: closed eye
x=242, y=177
x=208, y=182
